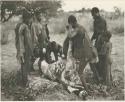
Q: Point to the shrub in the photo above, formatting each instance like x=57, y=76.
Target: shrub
x=116, y=26
x=57, y=25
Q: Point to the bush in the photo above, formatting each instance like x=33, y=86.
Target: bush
x=10, y=79
x=116, y=25
x=57, y=25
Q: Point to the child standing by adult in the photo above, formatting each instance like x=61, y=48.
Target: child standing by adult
x=106, y=59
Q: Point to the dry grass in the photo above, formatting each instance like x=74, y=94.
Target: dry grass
x=116, y=26
x=10, y=65
x=57, y=25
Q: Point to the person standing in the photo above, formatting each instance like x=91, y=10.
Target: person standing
x=24, y=44
x=41, y=38
x=106, y=60
x=100, y=27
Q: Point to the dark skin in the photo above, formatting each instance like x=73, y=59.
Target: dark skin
x=95, y=15
x=23, y=58
x=82, y=60
x=56, y=49
x=99, y=25
x=82, y=63
x=38, y=17
x=38, y=52
x=99, y=28
x=108, y=62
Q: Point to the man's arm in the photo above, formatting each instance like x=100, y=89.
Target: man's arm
x=47, y=32
x=34, y=32
x=94, y=34
x=21, y=39
x=65, y=47
x=17, y=36
x=20, y=44
x=93, y=37
x=109, y=48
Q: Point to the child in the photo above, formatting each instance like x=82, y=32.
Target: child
x=105, y=58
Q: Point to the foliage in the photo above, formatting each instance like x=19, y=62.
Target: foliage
x=48, y=7
x=116, y=26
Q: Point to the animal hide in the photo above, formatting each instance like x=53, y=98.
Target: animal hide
x=52, y=71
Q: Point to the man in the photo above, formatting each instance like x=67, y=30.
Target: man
x=40, y=38
x=24, y=44
x=100, y=28
x=80, y=46
x=47, y=31
x=37, y=30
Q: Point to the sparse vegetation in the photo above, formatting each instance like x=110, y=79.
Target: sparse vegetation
x=11, y=80
x=114, y=24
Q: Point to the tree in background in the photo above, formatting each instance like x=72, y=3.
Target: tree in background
x=49, y=8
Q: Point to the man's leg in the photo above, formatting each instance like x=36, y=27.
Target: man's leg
x=108, y=74
x=24, y=70
x=39, y=65
x=32, y=62
x=82, y=65
x=24, y=74
x=101, y=68
x=93, y=67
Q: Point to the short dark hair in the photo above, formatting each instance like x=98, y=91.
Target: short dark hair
x=95, y=10
x=72, y=19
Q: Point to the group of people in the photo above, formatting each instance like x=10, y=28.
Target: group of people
x=32, y=41
x=103, y=45
x=85, y=49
